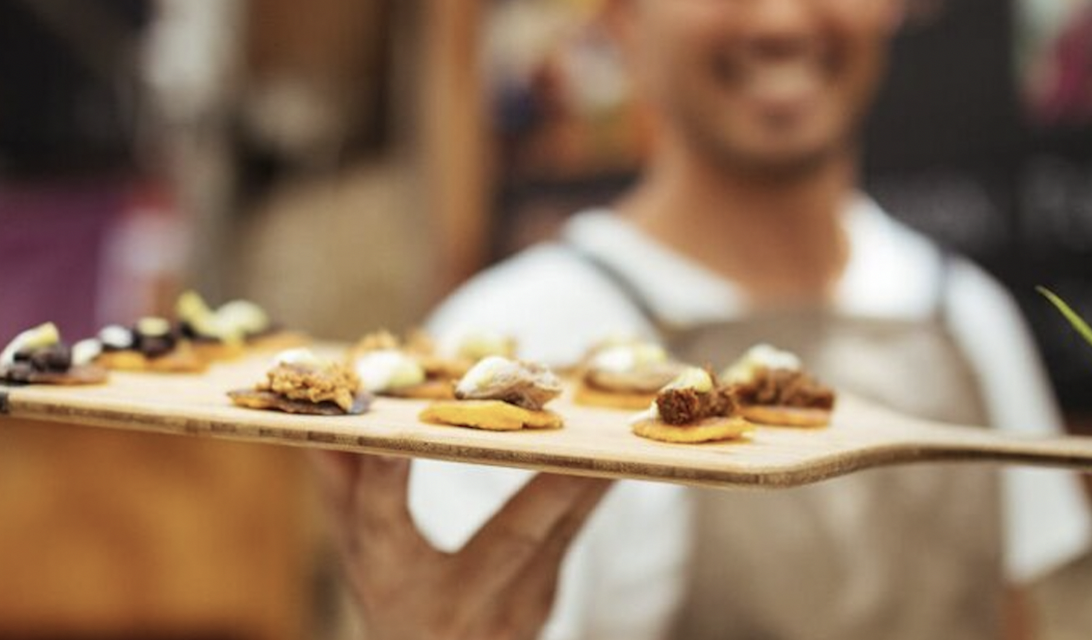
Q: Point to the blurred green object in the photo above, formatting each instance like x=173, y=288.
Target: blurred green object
x=1078, y=323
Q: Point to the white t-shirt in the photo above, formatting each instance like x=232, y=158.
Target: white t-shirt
x=626, y=572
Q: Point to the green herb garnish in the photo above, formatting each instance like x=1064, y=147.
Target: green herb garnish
x=1078, y=323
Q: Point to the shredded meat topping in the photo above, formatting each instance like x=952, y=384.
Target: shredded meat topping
x=687, y=406
x=785, y=388
x=526, y=384
x=334, y=383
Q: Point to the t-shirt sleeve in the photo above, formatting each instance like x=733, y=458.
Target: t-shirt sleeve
x=1046, y=515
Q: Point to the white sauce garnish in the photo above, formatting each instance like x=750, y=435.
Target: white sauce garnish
x=242, y=317
x=483, y=373
x=84, y=351
x=116, y=337
x=760, y=356
x=388, y=369
x=625, y=358
x=43, y=335
x=300, y=357
x=153, y=326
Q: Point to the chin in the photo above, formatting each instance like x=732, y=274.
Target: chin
x=774, y=159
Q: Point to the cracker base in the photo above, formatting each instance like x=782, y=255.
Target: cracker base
x=253, y=399
x=798, y=417
x=708, y=430
x=490, y=415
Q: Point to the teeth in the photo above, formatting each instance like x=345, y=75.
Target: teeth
x=783, y=81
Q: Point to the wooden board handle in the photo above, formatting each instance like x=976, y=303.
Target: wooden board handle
x=946, y=443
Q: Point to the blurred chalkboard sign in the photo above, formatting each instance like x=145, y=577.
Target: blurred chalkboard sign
x=953, y=151
x=67, y=90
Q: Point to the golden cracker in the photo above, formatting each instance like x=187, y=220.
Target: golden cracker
x=491, y=415
x=775, y=416
x=708, y=430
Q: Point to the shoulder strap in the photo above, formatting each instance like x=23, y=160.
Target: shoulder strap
x=947, y=258
x=621, y=282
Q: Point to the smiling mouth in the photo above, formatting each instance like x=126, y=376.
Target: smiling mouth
x=774, y=84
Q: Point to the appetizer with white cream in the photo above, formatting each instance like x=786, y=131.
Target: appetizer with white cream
x=693, y=408
x=499, y=394
x=624, y=374
x=773, y=389
x=38, y=356
x=301, y=382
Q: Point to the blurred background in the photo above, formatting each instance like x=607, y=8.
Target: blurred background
x=348, y=164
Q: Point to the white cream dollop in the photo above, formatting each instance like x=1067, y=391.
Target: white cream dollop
x=388, y=369
x=84, y=351
x=116, y=336
x=153, y=326
x=43, y=335
x=300, y=357
x=694, y=378
x=242, y=317
x=651, y=413
x=481, y=374
x=627, y=357
x=760, y=356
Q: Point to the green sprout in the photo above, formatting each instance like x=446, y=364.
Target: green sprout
x=1078, y=323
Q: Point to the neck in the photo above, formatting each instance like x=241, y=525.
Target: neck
x=780, y=238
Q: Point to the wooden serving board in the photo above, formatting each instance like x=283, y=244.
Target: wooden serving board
x=594, y=442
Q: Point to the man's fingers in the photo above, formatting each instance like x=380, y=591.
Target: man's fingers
x=334, y=469
x=547, y=512
x=528, y=598
x=385, y=533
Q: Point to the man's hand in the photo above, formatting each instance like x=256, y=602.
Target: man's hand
x=499, y=586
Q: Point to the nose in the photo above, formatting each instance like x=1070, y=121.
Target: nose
x=780, y=28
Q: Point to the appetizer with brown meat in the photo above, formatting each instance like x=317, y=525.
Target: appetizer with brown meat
x=773, y=389
x=692, y=409
x=499, y=394
x=300, y=382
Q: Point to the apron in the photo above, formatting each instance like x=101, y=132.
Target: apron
x=899, y=553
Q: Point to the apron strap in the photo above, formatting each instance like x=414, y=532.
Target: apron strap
x=622, y=283
x=640, y=302
x=947, y=259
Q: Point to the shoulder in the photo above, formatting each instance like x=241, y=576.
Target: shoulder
x=987, y=323
x=547, y=297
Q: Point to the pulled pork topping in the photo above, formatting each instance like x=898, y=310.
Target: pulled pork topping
x=784, y=388
x=687, y=405
x=524, y=384
x=328, y=383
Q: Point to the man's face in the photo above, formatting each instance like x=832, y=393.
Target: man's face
x=772, y=86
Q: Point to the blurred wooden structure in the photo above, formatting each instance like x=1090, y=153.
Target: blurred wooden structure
x=120, y=535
